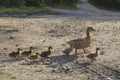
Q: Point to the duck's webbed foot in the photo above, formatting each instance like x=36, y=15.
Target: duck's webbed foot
x=76, y=51
x=92, y=60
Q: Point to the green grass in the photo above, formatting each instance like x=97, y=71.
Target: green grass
x=4, y=26
x=35, y=9
x=39, y=70
x=35, y=47
x=23, y=9
x=2, y=66
x=5, y=74
x=2, y=73
x=13, y=77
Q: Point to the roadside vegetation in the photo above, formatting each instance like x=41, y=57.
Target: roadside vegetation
x=113, y=5
x=34, y=5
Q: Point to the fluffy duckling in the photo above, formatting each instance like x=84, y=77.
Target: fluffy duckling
x=93, y=55
x=15, y=55
x=34, y=57
x=67, y=51
x=27, y=53
x=46, y=54
x=82, y=43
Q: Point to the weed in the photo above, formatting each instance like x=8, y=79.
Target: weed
x=4, y=26
x=39, y=70
x=13, y=77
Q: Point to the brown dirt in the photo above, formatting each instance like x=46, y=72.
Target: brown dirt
x=43, y=32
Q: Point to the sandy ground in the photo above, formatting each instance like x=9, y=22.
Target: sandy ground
x=55, y=30
x=42, y=32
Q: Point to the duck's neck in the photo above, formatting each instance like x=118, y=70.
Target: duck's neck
x=49, y=49
x=88, y=34
x=96, y=53
x=18, y=51
x=30, y=50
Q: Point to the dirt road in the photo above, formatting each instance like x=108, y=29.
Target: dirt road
x=86, y=10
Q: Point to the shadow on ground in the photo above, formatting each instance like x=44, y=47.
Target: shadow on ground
x=63, y=59
x=9, y=60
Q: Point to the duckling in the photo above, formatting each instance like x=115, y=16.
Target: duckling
x=82, y=43
x=93, y=56
x=46, y=54
x=67, y=51
x=27, y=53
x=34, y=56
x=15, y=55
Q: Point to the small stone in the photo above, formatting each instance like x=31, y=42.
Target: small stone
x=108, y=78
x=11, y=37
x=43, y=40
x=5, y=48
x=16, y=45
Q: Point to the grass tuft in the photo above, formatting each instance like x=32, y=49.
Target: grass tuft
x=13, y=77
x=23, y=9
x=4, y=26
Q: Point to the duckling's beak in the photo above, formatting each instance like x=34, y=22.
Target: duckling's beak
x=20, y=48
x=93, y=30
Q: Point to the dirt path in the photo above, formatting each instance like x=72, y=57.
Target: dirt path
x=87, y=10
x=84, y=11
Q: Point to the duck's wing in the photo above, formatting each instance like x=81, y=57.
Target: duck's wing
x=12, y=53
x=25, y=52
x=89, y=56
x=76, y=41
x=31, y=56
x=43, y=53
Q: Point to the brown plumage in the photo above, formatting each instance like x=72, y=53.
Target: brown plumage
x=93, y=56
x=16, y=54
x=27, y=53
x=34, y=57
x=82, y=43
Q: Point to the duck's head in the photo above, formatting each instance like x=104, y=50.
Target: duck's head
x=50, y=47
x=31, y=48
x=97, y=48
x=89, y=29
x=19, y=49
x=37, y=53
